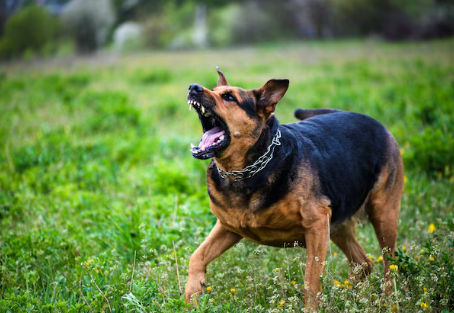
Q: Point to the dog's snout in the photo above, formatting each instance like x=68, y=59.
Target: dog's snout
x=195, y=89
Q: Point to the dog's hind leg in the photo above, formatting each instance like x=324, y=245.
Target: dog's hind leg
x=218, y=241
x=383, y=208
x=345, y=238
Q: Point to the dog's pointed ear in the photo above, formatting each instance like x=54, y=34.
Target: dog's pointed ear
x=269, y=95
x=222, y=81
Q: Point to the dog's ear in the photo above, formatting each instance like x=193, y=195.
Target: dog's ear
x=269, y=95
x=222, y=81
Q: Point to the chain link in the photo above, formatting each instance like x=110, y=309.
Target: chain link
x=258, y=165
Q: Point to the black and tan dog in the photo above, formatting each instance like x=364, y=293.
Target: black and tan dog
x=303, y=182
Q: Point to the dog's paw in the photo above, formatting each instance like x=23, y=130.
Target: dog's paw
x=193, y=290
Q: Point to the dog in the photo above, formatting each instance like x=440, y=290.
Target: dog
x=304, y=182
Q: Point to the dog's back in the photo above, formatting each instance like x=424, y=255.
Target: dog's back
x=348, y=152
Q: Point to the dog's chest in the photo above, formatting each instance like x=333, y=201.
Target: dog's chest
x=278, y=224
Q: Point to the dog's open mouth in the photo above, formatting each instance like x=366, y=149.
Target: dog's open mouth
x=216, y=135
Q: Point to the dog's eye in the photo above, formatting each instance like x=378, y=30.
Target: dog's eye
x=228, y=97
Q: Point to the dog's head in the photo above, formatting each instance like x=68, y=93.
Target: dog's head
x=232, y=118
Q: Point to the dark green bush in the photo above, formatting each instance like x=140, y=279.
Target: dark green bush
x=431, y=151
x=31, y=29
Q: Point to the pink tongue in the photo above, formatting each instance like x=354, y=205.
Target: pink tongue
x=210, y=136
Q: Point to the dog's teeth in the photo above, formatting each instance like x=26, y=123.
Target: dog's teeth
x=203, y=148
x=190, y=107
x=203, y=110
x=192, y=146
x=221, y=138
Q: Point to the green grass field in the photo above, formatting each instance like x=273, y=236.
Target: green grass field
x=102, y=204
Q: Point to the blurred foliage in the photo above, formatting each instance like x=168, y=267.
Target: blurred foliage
x=88, y=22
x=396, y=19
x=31, y=30
x=175, y=24
x=266, y=21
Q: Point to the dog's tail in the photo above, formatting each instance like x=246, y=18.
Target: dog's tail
x=303, y=114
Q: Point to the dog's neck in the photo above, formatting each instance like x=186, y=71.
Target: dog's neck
x=240, y=161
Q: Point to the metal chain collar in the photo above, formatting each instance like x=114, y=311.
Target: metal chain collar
x=258, y=165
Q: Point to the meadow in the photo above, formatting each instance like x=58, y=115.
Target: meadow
x=102, y=204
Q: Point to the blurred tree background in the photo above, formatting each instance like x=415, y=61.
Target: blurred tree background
x=43, y=27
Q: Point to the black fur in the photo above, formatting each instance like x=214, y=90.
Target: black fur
x=248, y=105
x=344, y=151
x=347, y=152
x=303, y=114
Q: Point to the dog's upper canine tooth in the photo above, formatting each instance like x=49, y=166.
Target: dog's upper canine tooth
x=203, y=109
x=222, y=137
x=190, y=107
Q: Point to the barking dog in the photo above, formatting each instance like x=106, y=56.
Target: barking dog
x=302, y=182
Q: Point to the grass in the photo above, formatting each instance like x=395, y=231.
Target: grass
x=101, y=201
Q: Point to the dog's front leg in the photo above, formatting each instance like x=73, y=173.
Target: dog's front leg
x=317, y=241
x=218, y=241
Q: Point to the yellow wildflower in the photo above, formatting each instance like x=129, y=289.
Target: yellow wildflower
x=276, y=270
x=337, y=283
x=416, y=257
x=232, y=290
x=425, y=289
x=431, y=259
x=335, y=254
x=347, y=284
x=404, y=248
x=208, y=288
x=281, y=303
x=431, y=228
x=405, y=179
x=424, y=305
x=293, y=282
x=393, y=268
x=380, y=258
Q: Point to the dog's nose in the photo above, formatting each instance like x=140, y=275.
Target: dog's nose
x=195, y=89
